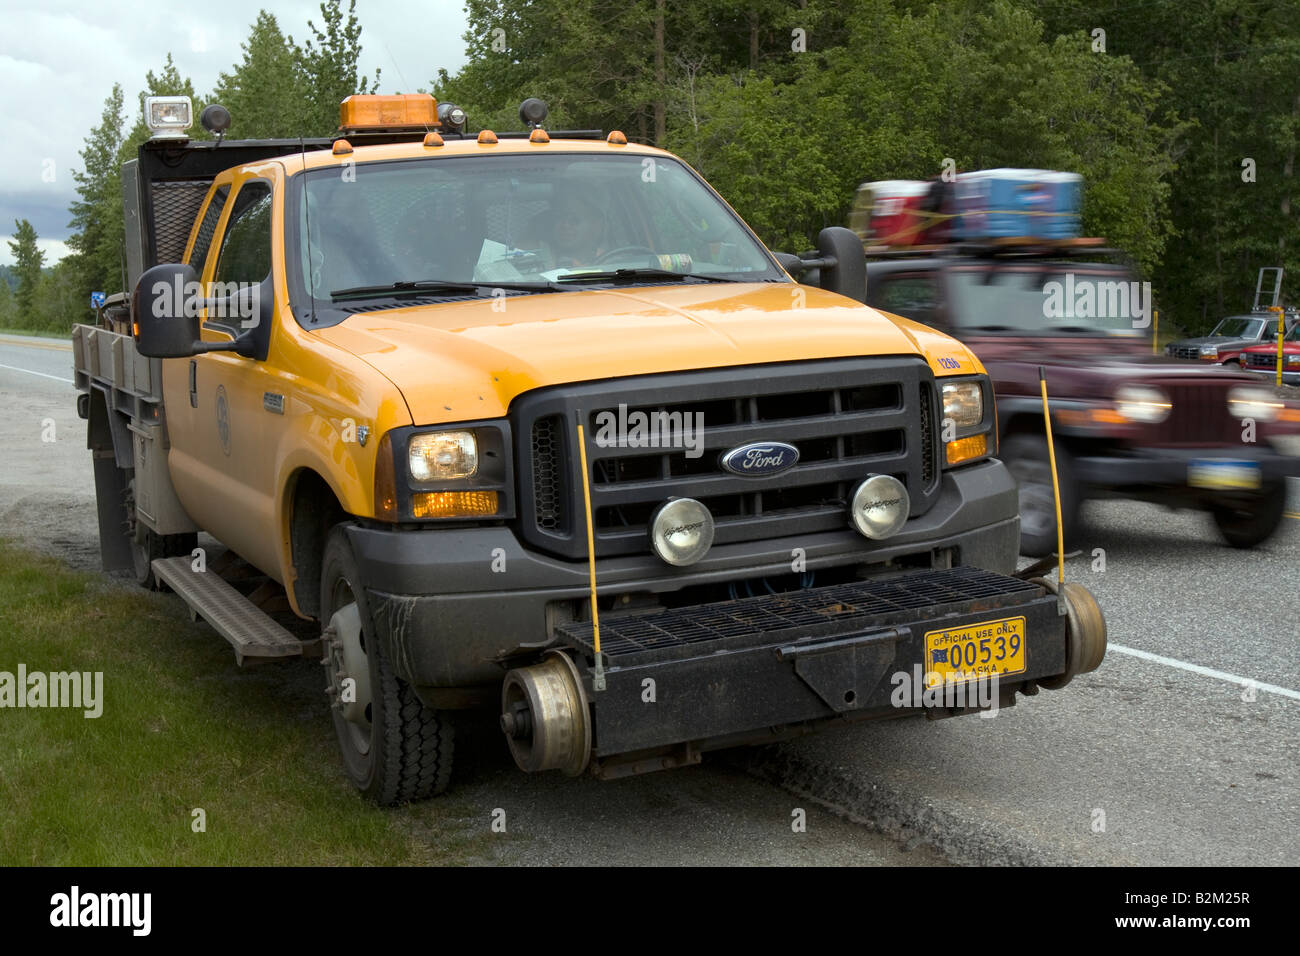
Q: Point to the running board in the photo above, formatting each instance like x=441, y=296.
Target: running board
x=248, y=629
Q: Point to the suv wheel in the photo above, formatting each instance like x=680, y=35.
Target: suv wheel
x=1026, y=458
x=394, y=748
x=1250, y=520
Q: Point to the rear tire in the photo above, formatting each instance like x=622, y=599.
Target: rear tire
x=404, y=751
x=147, y=545
x=1025, y=455
x=1251, y=521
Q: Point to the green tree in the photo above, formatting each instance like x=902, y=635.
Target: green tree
x=1230, y=66
x=60, y=302
x=329, y=63
x=6, y=305
x=265, y=92
x=28, y=260
x=96, y=241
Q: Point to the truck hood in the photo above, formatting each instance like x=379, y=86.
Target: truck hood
x=463, y=361
x=1220, y=341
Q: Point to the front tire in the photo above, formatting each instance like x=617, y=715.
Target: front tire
x=1026, y=458
x=395, y=749
x=1249, y=521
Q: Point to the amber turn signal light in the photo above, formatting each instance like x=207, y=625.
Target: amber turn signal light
x=453, y=504
x=965, y=449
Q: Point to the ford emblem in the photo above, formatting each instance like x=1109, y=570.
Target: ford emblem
x=760, y=459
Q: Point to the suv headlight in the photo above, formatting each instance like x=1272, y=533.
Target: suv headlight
x=1209, y=351
x=1257, y=403
x=1142, y=403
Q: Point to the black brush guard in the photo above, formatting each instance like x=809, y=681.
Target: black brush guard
x=757, y=665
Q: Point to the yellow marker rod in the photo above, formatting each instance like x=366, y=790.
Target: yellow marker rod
x=1056, y=495
x=1155, y=333
x=1281, y=334
x=598, y=681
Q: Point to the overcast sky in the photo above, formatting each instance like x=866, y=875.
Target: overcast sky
x=59, y=60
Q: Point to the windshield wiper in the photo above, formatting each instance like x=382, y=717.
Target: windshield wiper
x=632, y=275
x=990, y=328
x=436, y=287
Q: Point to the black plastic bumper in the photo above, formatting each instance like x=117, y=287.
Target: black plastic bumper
x=858, y=650
x=450, y=604
x=1168, y=467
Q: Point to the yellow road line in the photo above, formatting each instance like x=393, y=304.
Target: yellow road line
x=1292, y=514
x=53, y=345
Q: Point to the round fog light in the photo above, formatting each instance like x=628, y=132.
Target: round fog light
x=880, y=506
x=681, y=531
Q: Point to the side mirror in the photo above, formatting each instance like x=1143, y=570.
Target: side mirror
x=790, y=263
x=165, y=308
x=844, y=264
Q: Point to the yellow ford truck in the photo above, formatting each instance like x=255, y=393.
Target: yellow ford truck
x=532, y=421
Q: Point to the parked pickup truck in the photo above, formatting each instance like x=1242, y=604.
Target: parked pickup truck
x=1229, y=339
x=1126, y=423
x=534, y=422
x=1262, y=359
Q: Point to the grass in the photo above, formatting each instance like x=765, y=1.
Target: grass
x=182, y=728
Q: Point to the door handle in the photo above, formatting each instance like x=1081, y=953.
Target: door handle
x=194, y=385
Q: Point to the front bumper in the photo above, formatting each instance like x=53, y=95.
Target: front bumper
x=1270, y=375
x=450, y=605
x=1167, y=467
x=760, y=668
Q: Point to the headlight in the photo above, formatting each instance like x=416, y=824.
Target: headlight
x=1140, y=403
x=442, y=456
x=963, y=403
x=681, y=531
x=879, y=507
x=1257, y=403
x=1209, y=351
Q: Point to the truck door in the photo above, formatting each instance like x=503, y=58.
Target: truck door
x=223, y=452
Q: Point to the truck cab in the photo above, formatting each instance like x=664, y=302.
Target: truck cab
x=534, y=422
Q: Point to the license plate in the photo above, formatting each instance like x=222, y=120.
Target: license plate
x=1223, y=473
x=989, y=649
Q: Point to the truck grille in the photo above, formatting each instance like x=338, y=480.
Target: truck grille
x=1199, y=416
x=1260, y=360
x=848, y=418
x=1192, y=352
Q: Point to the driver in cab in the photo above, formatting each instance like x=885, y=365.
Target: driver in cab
x=577, y=233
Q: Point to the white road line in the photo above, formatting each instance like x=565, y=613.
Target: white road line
x=13, y=368
x=1205, y=671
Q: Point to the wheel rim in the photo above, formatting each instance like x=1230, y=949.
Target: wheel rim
x=1037, y=502
x=346, y=659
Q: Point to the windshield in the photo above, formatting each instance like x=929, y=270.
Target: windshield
x=1237, y=327
x=1048, y=298
x=519, y=221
